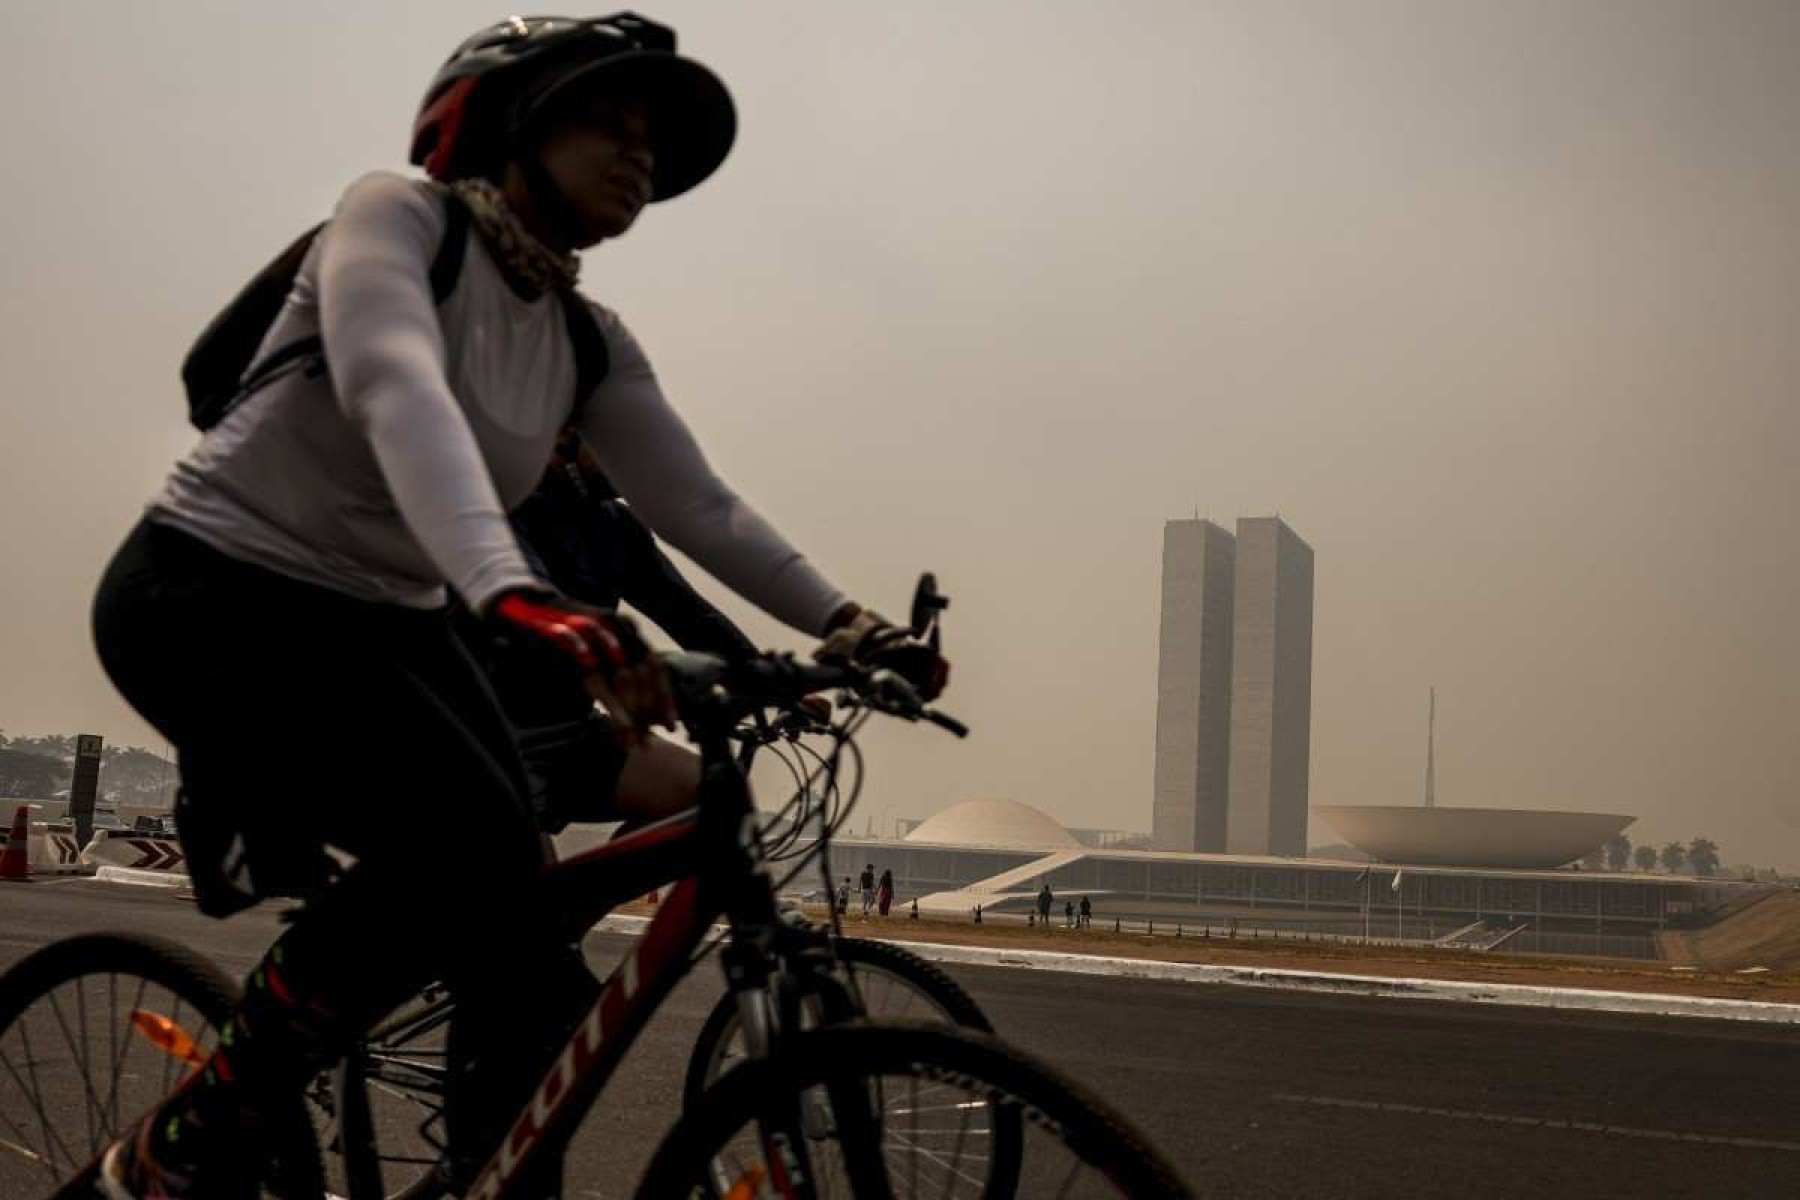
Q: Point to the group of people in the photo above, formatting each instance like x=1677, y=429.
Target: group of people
x=1073, y=917
x=877, y=895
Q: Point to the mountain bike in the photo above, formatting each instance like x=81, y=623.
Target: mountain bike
x=843, y=1108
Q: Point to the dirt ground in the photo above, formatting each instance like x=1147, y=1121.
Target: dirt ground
x=1763, y=933
x=1780, y=985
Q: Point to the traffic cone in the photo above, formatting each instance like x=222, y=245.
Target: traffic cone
x=15, y=861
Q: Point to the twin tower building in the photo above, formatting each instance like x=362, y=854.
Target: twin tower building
x=1234, y=688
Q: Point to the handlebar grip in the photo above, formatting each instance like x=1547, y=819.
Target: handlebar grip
x=946, y=723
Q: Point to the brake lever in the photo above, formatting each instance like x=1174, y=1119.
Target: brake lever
x=890, y=692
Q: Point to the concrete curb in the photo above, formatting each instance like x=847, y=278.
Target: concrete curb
x=107, y=873
x=1515, y=994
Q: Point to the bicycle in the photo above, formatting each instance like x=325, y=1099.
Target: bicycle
x=400, y=1058
x=848, y=1105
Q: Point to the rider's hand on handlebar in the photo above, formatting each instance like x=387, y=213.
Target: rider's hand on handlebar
x=618, y=668
x=872, y=640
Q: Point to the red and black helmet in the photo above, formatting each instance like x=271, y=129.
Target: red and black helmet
x=487, y=95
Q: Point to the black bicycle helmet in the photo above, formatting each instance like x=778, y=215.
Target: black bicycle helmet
x=498, y=84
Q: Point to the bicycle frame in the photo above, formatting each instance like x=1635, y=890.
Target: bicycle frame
x=715, y=852
x=586, y=887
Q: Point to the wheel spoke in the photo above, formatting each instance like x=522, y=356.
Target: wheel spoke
x=112, y=1044
x=962, y=1133
x=1074, y=1170
x=95, y=1112
x=912, y=1091
x=90, y=1096
x=37, y=1095
x=22, y=1146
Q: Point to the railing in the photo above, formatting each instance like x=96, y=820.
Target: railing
x=1226, y=930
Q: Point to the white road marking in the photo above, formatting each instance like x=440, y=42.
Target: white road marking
x=1494, y=1118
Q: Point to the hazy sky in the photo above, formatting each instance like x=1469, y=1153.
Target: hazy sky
x=1495, y=303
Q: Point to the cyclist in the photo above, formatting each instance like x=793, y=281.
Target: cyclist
x=278, y=612
x=580, y=538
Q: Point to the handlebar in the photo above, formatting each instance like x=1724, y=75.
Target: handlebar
x=709, y=689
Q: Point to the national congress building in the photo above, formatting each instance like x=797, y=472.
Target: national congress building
x=1234, y=689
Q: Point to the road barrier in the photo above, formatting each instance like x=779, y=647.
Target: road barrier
x=15, y=860
x=135, y=851
x=38, y=848
x=54, y=850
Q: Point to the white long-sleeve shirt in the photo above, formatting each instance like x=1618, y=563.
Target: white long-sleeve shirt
x=391, y=476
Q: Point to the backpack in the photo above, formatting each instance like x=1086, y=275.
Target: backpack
x=219, y=373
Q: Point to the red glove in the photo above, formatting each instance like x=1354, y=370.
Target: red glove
x=620, y=671
x=588, y=636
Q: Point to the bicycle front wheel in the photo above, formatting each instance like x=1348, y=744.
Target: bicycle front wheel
x=901, y=1110
x=892, y=984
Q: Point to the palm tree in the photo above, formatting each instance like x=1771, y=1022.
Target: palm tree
x=1674, y=857
x=1645, y=858
x=1703, y=856
x=1618, y=853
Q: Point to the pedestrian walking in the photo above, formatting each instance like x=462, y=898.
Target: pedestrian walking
x=1068, y=914
x=1087, y=912
x=867, y=884
x=884, y=892
x=1044, y=901
x=843, y=898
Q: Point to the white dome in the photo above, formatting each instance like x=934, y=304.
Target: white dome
x=1000, y=823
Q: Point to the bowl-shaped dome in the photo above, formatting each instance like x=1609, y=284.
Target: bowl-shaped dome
x=1000, y=823
x=1522, y=839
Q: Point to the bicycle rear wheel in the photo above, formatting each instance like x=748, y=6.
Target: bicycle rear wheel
x=96, y=1029
x=901, y=1110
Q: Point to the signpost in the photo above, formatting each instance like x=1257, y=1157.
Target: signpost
x=86, y=785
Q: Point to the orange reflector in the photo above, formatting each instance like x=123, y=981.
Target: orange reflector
x=748, y=1186
x=167, y=1036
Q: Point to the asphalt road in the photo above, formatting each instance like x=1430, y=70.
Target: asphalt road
x=1251, y=1092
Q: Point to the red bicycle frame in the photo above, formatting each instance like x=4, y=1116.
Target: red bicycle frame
x=715, y=853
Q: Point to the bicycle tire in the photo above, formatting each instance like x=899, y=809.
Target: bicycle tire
x=190, y=977
x=851, y=1055
x=923, y=976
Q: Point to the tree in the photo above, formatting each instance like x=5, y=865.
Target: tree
x=1645, y=858
x=1594, y=860
x=31, y=776
x=1618, y=853
x=40, y=767
x=133, y=775
x=1674, y=857
x=1703, y=856
x=58, y=746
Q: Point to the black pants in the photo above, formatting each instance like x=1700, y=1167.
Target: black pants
x=368, y=726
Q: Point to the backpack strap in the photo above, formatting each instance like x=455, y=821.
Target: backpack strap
x=446, y=266
x=592, y=358
x=446, y=269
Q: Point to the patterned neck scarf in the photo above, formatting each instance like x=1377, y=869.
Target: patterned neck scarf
x=524, y=257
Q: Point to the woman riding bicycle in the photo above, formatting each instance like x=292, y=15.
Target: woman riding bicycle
x=278, y=614
x=582, y=540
